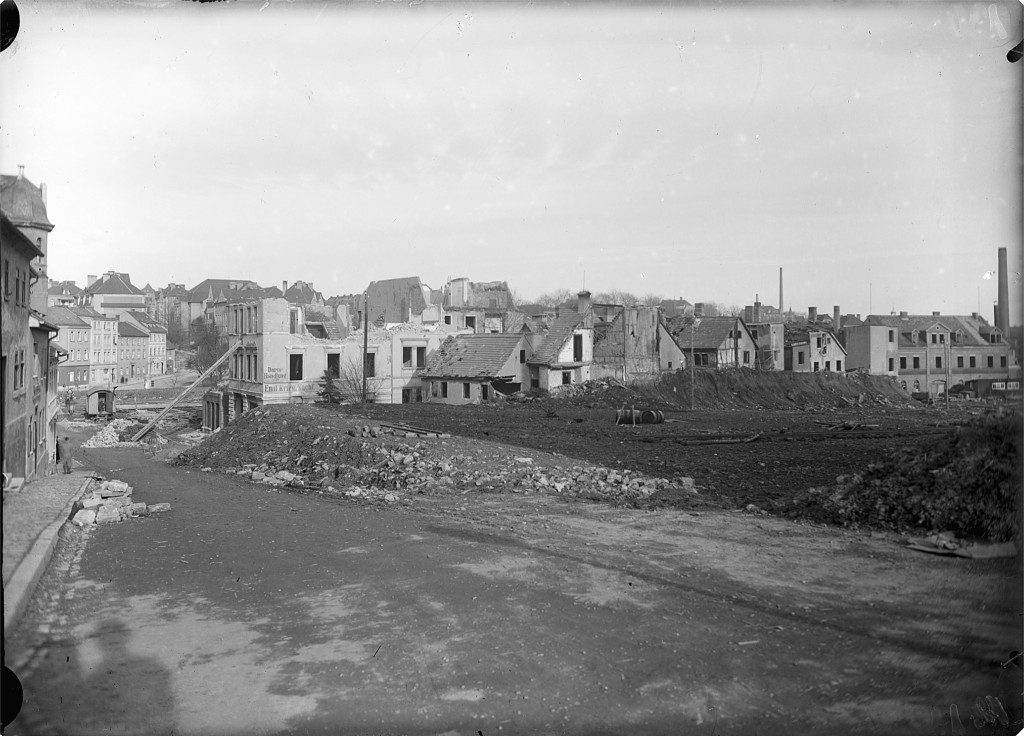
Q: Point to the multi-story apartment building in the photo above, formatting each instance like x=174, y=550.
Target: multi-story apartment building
x=924, y=352
x=156, y=340
x=132, y=353
x=74, y=336
x=103, y=347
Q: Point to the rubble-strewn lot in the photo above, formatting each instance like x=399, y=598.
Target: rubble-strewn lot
x=571, y=447
x=317, y=448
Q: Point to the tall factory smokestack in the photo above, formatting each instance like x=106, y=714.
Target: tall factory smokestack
x=1003, y=306
x=781, y=308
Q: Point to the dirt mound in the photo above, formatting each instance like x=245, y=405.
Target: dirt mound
x=967, y=481
x=317, y=447
x=749, y=389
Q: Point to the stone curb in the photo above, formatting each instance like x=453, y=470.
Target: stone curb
x=18, y=592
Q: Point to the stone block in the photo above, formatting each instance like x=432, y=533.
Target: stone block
x=139, y=509
x=256, y=475
x=108, y=514
x=92, y=502
x=158, y=507
x=85, y=517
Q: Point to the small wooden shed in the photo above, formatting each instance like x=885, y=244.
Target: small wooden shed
x=99, y=402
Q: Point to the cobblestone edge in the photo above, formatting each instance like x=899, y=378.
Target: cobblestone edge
x=18, y=592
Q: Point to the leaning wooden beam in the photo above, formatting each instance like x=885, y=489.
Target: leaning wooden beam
x=230, y=351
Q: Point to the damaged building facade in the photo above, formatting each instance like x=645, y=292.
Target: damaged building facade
x=275, y=360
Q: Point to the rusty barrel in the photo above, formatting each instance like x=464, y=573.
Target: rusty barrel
x=652, y=416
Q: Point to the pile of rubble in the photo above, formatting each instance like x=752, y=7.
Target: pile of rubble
x=595, y=387
x=274, y=448
x=111, y=501
x=118, y=433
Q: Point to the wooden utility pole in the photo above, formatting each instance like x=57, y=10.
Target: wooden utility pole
x=693, y=367
x=366, y=340
x=624, y=379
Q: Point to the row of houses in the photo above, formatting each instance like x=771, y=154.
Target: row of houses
x=277, y=357
x=108, y=334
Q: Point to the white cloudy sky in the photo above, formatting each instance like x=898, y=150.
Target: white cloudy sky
x=873, y=153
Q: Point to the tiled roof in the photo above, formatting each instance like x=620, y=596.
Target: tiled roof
x=709, y=334
x=89, y=312
x=115, y=283
x=64, y=317
x=471, y=356
x=559, y=333
x=147, y=322
x=127, y=329
x=64, y=287
x=974, y=331
x=212, y=288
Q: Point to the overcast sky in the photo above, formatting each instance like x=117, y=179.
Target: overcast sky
x=872, y=153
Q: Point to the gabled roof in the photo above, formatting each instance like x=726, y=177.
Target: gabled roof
x=90, y=313
x=974, y=330
x=64, y=317
x=127, y=329
x=302, y=293
x=114, y=283
x=559, y=333
x=147, y=322
x=62, y=288
x=708, y=334
x=477, y=356
x=213, y=288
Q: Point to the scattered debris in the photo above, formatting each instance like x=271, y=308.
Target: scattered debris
x=118, y=433
x=947, y=543
x=373, y=462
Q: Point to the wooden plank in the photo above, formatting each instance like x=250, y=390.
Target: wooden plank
x=228, y=353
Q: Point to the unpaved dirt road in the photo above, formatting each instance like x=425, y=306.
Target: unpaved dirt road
x=249, y=610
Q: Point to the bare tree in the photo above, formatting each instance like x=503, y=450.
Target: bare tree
x=554, y=298
x=349, y=382
x=207, y=346
x=617, y=296
x=651, y=300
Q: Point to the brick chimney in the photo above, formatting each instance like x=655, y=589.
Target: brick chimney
x=812, y=314
x=698, y=309
x=284, y=286
x=583, y=302
x=836, y=318
x=757, y=311
x=748, y=314
x=90, y=280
